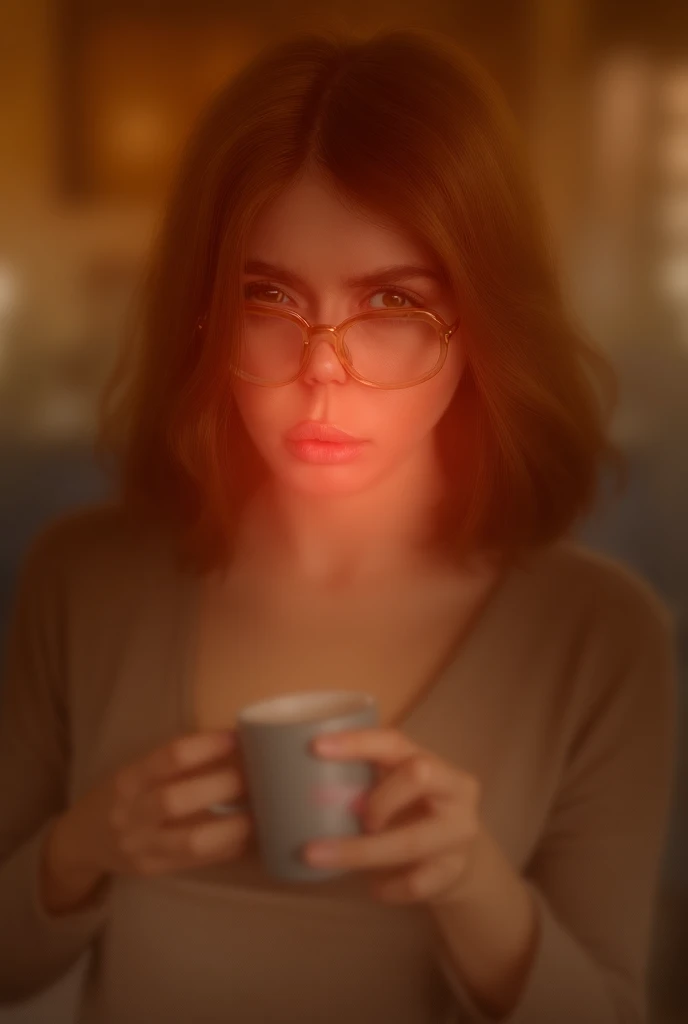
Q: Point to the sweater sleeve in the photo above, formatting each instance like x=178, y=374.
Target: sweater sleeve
x=36, y=948
x=594, y=875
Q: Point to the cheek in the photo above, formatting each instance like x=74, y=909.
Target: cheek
x=261, y=410
x=417, y=412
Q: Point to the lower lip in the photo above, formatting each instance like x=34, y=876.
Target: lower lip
x=326, y=451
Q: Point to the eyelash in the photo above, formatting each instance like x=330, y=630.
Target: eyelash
x=413, y=299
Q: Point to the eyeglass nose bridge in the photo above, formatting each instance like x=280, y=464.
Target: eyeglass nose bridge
x=312, y=328
x=336, y=338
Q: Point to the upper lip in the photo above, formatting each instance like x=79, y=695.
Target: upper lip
x=313, y=430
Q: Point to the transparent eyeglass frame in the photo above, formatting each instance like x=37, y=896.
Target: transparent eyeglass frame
x=445, y=332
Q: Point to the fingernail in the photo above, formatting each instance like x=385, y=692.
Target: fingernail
x=226, y=808
x=326, y=854
x=327, y=744
x=359, y=804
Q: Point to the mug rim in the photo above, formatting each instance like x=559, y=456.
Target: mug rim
x=344, y=702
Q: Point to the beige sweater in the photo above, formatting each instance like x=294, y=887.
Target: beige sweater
x=562, y=701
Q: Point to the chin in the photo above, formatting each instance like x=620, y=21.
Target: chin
x=323, y=481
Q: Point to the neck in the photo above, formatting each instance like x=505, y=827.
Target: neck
x=338, y=542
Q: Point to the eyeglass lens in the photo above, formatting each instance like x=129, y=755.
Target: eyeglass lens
x=389, y=350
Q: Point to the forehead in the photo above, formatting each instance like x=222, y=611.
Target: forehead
x=312, y=230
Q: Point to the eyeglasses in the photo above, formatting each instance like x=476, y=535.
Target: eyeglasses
x=380, y=348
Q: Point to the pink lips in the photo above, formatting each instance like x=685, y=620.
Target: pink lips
x=311, y=430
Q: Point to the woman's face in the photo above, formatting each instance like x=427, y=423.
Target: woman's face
x=310, y=233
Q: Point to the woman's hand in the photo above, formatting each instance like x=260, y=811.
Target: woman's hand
x=432, y=853
x=442, y=856
x=150, y=818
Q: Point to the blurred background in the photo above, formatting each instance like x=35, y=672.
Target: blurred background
x=96, y=99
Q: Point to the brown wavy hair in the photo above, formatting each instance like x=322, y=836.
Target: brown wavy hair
x=408, y=124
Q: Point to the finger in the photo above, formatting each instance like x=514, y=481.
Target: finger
x=420, y=776
x=180, y=755
x=144, y=809
x=433, y=881
x=208, y=840
x=175, y=800
x=227, y=807
x=387, y=747
x=426, y=838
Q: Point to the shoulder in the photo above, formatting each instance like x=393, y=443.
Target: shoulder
x=97, y=543
x=597, y=598
x=603, y=644
x=620, y=688
x=601, y=582
x=84, y=533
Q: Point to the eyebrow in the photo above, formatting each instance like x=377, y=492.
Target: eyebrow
x=383, y=275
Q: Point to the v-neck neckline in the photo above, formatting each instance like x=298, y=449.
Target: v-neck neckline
x=467, y=641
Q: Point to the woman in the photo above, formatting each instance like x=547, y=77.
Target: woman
x=511, y=846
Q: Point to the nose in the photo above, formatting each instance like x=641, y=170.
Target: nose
x=323, y=363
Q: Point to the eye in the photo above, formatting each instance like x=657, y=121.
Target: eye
x=261, y=286
x=253, y=290
x=399, y=293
